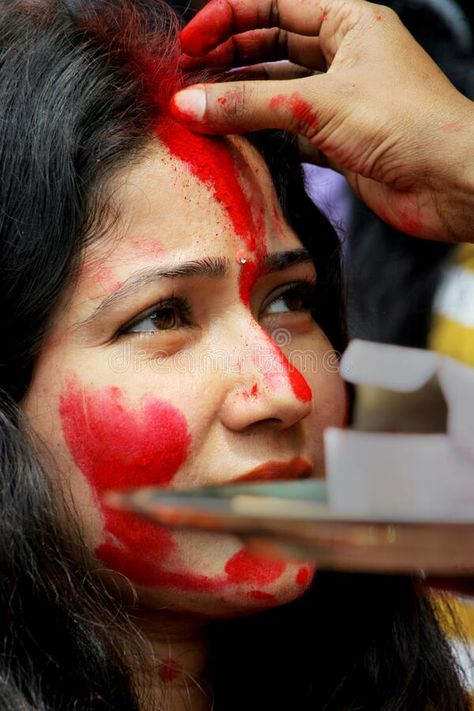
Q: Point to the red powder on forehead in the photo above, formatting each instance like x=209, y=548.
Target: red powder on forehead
x=146, y=246
x=250, y=271
x=210, y=161
x=249, y=568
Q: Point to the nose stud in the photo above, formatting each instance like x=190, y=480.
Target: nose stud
x=241, y=258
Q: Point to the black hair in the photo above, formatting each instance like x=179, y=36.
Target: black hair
x=78, y=100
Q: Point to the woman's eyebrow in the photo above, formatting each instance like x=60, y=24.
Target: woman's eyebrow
x=210, y=267
x=278, y=261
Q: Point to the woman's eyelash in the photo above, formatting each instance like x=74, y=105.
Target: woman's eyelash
x=303, y=290
x=168, y=309
x=175, y=312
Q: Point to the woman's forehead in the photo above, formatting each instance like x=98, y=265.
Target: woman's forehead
x=163, y=207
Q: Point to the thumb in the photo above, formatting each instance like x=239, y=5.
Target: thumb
x=246, y=106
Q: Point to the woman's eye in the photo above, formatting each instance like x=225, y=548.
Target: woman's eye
x=299, y=297
x=167, y=316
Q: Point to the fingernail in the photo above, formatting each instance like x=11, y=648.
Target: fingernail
x=190, y=104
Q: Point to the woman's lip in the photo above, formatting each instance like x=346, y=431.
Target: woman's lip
x=297, y=468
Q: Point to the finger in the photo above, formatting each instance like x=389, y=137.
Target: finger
x=220, y=19
x=310, y=154
x=271, y=70
x=250, y=106
x=261, y=46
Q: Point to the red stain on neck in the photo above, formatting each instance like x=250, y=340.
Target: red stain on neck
x=169, y=671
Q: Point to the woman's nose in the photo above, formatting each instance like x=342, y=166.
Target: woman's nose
x=265, y=388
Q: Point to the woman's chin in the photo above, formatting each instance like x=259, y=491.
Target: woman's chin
x=236, y=598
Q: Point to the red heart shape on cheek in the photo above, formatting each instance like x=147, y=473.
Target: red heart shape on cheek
x=120, y=448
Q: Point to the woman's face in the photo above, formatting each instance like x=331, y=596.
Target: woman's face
x=169, y=364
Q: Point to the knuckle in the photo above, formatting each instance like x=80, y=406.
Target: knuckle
x=232, y=104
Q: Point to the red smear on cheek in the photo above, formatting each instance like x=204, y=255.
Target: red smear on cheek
x=120, y=448
x=303, y=576
x=244, y=567
x=261, y=595
x=301, y=110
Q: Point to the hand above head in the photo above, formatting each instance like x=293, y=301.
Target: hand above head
x=363, y=96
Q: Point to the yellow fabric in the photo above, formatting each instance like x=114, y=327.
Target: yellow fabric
x=452, y=339
x=450, y=336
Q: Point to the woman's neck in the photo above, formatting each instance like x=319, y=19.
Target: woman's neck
x=171, y=677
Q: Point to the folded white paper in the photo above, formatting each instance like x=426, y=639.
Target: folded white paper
x=393, y=476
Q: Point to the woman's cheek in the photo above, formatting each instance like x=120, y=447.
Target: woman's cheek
x=119, y=448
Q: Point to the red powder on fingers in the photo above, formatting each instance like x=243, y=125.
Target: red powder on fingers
x=213, y=25
x=301, y=110
x=245, y=567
